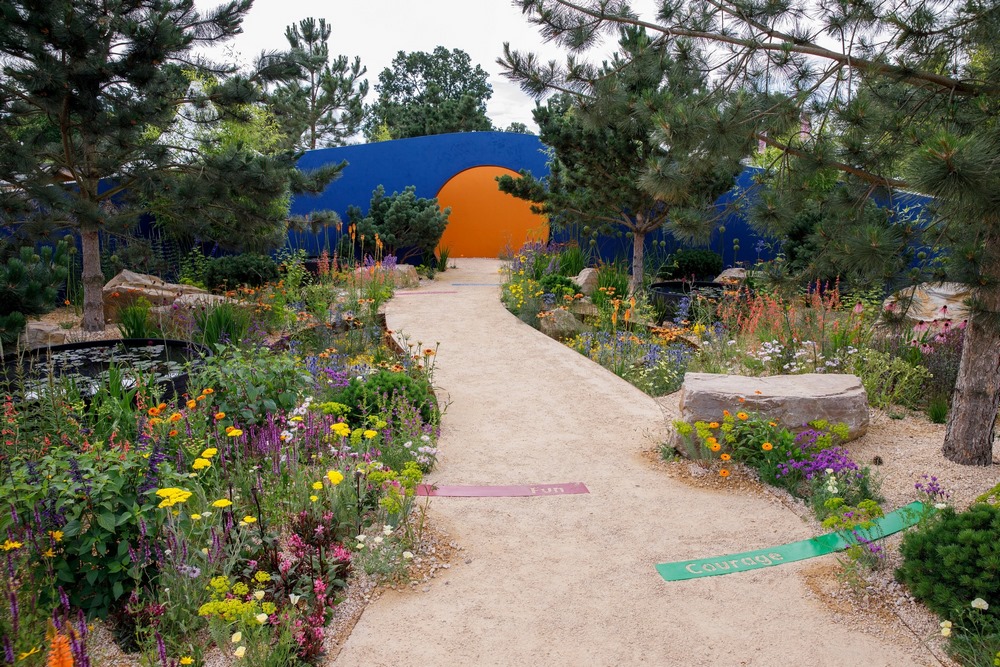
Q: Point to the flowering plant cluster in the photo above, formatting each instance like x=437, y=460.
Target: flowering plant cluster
x=231, y=509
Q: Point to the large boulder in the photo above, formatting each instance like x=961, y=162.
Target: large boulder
x=932, y=301
x=560, y=324
x=790, y=400
x=587, y=280
x=127, y=287
x=43, y=334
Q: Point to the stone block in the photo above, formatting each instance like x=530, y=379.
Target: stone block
x=127, y=287
x=790, y=400
x=560, y=324
x=587, y=280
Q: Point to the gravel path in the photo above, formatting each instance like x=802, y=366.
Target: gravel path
x=570, y=580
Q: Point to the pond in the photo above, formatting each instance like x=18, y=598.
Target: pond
x=89, y=366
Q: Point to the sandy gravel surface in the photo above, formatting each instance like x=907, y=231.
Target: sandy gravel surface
x=570, y=580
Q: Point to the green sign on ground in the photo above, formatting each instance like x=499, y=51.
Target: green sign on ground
x=893, y=522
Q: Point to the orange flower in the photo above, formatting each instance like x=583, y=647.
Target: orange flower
x=220, y=415
x=153, y=412
x=772, y=423
x=200, y=398
x=172, y=433
x=154, y=421
x=725, y=413
x=162, y=407
x=767, y=446
x=742, y=416
x=725, y=457
x=176, y=417
x=208, y=391
x=715, y=446
x=723, y=473
x=742, y=400
x=758, y=392
x=714, y=425
x=192, y=404
x=60, y=654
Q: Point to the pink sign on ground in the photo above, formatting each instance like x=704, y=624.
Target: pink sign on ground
x=450, y=291
x=502, y=491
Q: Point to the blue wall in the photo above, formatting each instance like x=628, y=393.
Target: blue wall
x=425, y=162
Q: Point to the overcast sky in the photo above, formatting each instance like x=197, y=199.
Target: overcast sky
x=376, y=30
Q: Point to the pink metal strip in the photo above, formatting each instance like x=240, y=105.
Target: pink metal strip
x=502, y=491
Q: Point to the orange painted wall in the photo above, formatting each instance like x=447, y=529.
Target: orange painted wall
x=485, y=222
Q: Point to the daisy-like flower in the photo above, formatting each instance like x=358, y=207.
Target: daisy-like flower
x=980, y=603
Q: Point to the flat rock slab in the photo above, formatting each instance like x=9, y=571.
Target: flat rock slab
x=790, y=400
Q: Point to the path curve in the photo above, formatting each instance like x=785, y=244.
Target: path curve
x=570, y=580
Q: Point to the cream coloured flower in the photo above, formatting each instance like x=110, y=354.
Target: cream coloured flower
x=240, y=651
x=261, y=618
x=236, y=638
x=980, y=603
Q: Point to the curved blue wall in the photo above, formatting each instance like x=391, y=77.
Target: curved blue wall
x=424, y=162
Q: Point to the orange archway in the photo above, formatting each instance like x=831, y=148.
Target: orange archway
x=485, y=222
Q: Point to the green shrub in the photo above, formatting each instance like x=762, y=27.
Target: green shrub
x=612, y=283
x=442, y=260
x=225, y=323
x=406, y=225
x=232, y=271
x=554, y=283
x=688, y=263
x=362, y=395
x=889, y=380
x=134, y=320
x=29, y=284
x=953, y=559
x=572, y=261
x=937, y=409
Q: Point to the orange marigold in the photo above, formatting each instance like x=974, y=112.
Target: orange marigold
x=725, y=457
x=715, y=446
x=714, y=425
x=742, y=416
x=723, y=473
x=767, y=446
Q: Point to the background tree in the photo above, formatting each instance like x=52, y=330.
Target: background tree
x=323, y=104
x=430, y=93
x=88, y=90
x=400, y=224
x=642, y=142
x=518, y=128
x=911, y=95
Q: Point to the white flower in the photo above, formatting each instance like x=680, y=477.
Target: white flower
x=378, y=540
x=940, y=506
x=407, y=555
x=360, y=538
x=408, y=444
x=829, y=471
x=425, y=438
x=237, y=637
x=359, y=546
x=261, y=618
x=294, y=598
x=387, y=529
x=980, y=603
x=945, y=628
x=259, y=595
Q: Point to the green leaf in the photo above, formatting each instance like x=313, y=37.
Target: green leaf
x=107, y=521
x=118, y=590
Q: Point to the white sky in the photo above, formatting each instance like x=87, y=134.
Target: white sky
x=376, y=30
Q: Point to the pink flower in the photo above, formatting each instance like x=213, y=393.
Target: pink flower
x=319, y=587
x=859, y=308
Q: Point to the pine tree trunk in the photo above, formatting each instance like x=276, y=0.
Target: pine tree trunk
x=969, y=436
x=638, y=260
x=92, y=279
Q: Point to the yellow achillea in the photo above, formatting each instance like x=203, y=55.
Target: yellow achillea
x=172, y=496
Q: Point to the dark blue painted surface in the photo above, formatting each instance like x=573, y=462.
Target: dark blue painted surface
x=424, y=162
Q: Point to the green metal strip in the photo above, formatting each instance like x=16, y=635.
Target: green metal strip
x=893, y=522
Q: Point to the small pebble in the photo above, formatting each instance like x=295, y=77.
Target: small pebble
x=468, y=560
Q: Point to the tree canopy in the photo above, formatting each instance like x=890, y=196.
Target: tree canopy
x=899, y=95
x=90, y=93
x=429, y=93
x=322, y=105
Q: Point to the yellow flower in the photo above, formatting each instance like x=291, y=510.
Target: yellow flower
x=222, y=502
x=192, y=404
x=196, y=517
x=154, y=421
x=341, y=429
x=28, y=654
x=56, y=535
x=172, y=496
x=49, y=553
x=317, y=485
x=249, y=519
x=234, y=432
x=313, y=498
x=201, y=464
x=369, y=434
x=237, y=637
x=187, y=660
x=10, y=545
x=240, y=652
x=334, y=476
x=209, y=453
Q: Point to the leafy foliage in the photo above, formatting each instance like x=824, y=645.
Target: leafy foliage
x=322, y=104
x=232, y=271
x=361, y=396
x=29, y=283
x=406, y=225
x=429, y=93
x=954, y=559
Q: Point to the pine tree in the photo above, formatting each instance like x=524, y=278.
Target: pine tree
x=90, y=92
x=904, y=95
x=323, y=104
x=629, y=143
x=430, y=93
